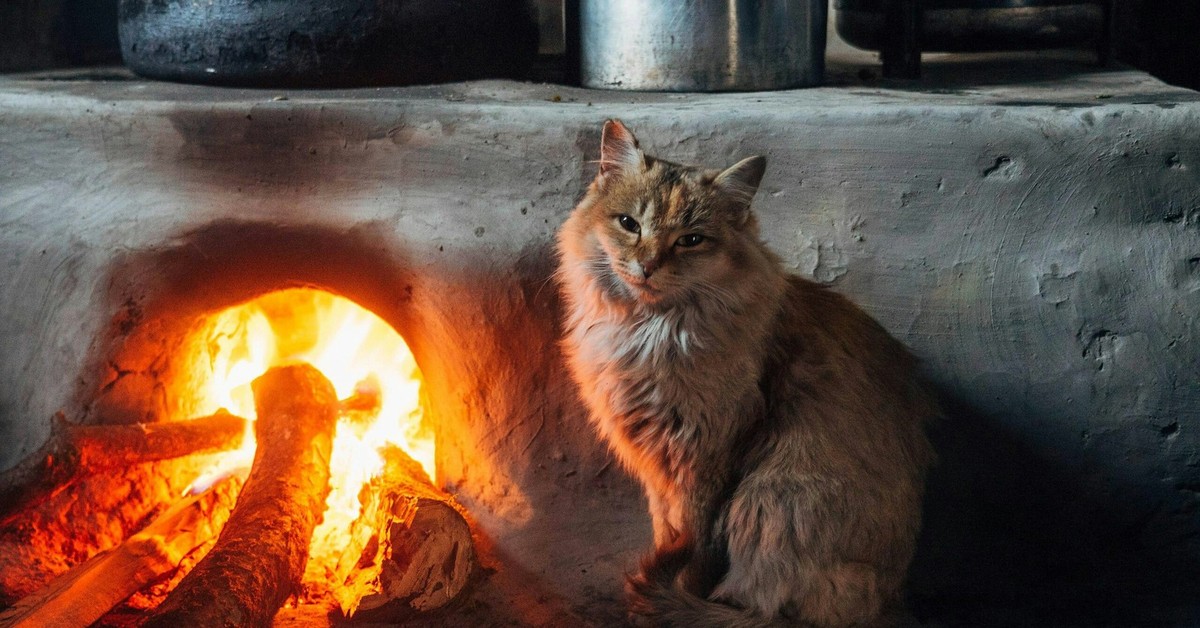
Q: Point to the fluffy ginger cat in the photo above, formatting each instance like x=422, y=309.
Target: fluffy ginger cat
x=777, y=429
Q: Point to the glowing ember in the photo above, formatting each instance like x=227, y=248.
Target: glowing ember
x=369, y=365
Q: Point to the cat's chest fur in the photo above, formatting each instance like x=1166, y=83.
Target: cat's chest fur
x=662, y=385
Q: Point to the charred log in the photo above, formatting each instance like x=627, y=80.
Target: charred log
x=411, y=550
x=259, y=559
x=76, y=451
x=85, y=593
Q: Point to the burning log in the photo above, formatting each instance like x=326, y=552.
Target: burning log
x=410, y=551
x=84, y=594
x=259, y=558
x=75, y=451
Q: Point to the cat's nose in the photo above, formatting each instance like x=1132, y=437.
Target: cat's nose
x=649, y=266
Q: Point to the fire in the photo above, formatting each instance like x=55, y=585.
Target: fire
x=364, y=358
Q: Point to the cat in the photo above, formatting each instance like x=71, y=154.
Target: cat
x=778, y=430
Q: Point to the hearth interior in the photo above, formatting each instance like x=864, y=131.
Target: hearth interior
x=368, y=363
x=370, y=367
x=381, y=513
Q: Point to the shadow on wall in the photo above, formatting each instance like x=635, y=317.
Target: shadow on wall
x=1014, y=539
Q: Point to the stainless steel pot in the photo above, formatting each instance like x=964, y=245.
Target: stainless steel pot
x=702, y=45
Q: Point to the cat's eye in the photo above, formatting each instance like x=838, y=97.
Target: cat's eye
x=689, y=240
x=628, y=223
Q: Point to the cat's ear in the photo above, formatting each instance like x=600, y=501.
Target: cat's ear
x=619, y=151
x=739, y=182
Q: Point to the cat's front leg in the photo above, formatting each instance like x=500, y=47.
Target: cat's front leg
x=704, y=521
x=660, y=519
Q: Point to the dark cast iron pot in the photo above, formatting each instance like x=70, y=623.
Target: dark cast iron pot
x=326, y=43
x=978, y=25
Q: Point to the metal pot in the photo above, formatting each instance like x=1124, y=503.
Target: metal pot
x=702, y=45
x=326, y=43
x=978, y=25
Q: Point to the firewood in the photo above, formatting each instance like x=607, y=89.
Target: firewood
x=84, y=594
x=259, y=558
x=410, y=551
x=75, y=451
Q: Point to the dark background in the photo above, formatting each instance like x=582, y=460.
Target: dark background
x=1159, y=36
x=45, y=34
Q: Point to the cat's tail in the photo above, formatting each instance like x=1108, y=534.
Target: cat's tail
x=657, y=599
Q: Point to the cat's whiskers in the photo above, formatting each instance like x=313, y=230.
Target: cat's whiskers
x=602, y=272
x=717, y=296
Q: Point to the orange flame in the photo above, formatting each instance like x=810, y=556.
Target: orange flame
x=359, y=353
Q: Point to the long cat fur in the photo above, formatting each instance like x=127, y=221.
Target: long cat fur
x=777, y=429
